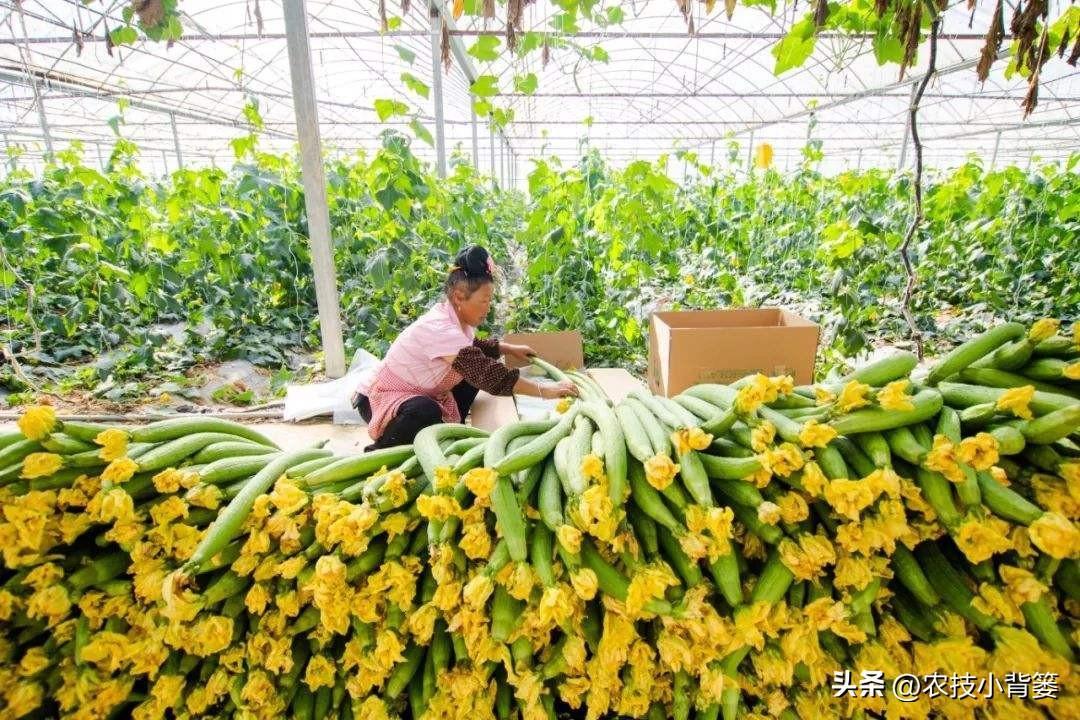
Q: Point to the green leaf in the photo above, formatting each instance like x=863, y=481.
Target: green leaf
x=599, y=54
x=796, y=46
x=615, y=15
x=393, y=23
x=421, y=132
x=888, y=49
x=501, y=118
x=525, y=84
x=482, y=108
x=486, y=48
x=125, y=35
x=387, y=109
x=405, y=53
x=565, y=23
x=485, y=86
x=415, y=84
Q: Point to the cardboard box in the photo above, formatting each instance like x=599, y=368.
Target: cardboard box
x=721, y=346
x=562, y=349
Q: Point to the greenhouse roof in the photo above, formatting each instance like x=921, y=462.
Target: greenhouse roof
x=660, y=89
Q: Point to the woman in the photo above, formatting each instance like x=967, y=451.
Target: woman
x=435, y=368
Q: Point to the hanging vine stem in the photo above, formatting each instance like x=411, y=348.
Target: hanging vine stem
x=916, y=221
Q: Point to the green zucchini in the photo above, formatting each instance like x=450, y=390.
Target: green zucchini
x=973, y=350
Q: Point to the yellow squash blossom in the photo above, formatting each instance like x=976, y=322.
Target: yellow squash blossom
x=781, y=385
x=37, y=422
x=563, y=405
x=481, y=480
x=807, y=558
x=585, y=583
x=445, y=480
x=981, y=539
x=894, y=396
x=762, y=435
x=660, y=470
x=823, y=396
x=1055, y=535
x=437, y=507
x=942, y=458
x=813, y=479
x=1021, y=584
x=814, y=434
x=849, y=497
x=1017, y=400
x=992, y=601
x=980, y=452
x=38, y=465
x=119, y=471
x=113, y=444
x=768, y=513
x=793, y=508
x=592, y=467
x=648, y=583
x=1043, y=329
x=751, y=395
x=784, y=460
x=687, y=439
x=570, y=538
x=853, y=396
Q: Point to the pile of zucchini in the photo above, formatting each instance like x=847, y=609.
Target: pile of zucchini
x=720, y=553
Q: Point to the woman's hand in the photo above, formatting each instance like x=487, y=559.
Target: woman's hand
x=520, y=353
x=560, y=389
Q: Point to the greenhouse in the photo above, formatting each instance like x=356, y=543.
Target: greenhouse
x=540, y=359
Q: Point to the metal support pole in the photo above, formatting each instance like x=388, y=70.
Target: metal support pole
x=494, y=177
x=165, y=160
x=44, y=125
x=997, y=144
x=176, y=141
x=750, y=154
x=858, y=165
x=475, y=140
x=436, y=90
x=712, y=155
x=314, y=179
x=100, y=159
x=907, y=130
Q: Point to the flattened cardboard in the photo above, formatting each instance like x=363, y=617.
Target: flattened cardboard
x=491, y=412
x=562, y=349
x=615, y=382
x=722, y=346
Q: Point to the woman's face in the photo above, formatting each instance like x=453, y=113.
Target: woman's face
x=472, y=309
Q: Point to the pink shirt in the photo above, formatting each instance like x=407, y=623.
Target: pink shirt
x=414, y=365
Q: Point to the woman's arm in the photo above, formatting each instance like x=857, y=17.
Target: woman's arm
x=490, y=375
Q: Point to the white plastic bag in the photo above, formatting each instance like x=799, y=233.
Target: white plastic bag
x=330, y=398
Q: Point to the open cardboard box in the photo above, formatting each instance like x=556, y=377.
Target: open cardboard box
x=721, y=346
x=563, y=350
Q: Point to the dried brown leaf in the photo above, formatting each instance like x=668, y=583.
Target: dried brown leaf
x=994, y=35
x=150, y=12
x=445, y=47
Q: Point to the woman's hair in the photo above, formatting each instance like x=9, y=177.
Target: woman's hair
x=472, y=269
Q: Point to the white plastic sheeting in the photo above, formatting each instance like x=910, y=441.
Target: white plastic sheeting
x=661, y=90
